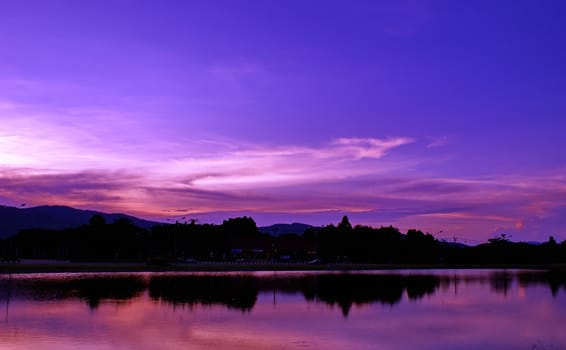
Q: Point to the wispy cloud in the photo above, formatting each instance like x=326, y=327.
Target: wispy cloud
x=260, y=166
x=435, y=142
x=101, y=190
x=361, y=148
x=58, y=161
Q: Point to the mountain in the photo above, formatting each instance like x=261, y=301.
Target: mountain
x=534, y=242
x=281, y=229
x=12, y=219
x=453, y=244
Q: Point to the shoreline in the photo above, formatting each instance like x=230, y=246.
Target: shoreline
x=52, y=266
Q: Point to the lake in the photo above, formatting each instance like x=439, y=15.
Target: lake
x=406, y=309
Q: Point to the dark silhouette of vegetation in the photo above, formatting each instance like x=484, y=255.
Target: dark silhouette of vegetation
x=238, y=239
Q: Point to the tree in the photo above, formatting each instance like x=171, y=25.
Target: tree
x=502, y=238
x=344, y=225
x=97, y=220
x=241, y=226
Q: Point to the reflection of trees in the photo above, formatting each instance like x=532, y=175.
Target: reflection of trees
x=237, y=291
x=419, y=286
x=240, y=291
x=92, y=289
x=500, y=282
x=346, y=290
x=554, y=279
x=234, y=291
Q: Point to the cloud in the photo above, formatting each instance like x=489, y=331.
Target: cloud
x=61, y=160
x=260, y=166
x=360, y=148
x=76, y=139
x=435, y=142
x=474, y=209
x=434, y=187
x=103, y=190
x=117, y=165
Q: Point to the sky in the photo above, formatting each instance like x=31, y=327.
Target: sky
x=445, y=116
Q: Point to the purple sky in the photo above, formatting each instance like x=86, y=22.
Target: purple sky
x=440, y=115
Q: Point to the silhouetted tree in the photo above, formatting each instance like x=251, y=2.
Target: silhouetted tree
x=344, y=225
x=97, y=220
x=244, y=226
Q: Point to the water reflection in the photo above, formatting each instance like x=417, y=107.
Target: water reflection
x=358, y=289
x=234, y=291
x=438, y=310
x=554, y=280
x=240, y=291
x=90, y=288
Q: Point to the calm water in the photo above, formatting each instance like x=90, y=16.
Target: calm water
x=473, y=309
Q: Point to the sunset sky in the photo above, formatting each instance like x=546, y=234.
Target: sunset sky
x=439, y=115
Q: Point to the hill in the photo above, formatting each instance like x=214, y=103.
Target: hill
x=12, y=219
x=281, y=229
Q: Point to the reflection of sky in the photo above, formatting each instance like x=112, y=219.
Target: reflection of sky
x=470, y=315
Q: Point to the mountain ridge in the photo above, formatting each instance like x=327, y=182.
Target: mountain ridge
x=55, y=217
x=58, y=217
x=281, y=229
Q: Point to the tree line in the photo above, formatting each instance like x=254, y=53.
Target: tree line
x=238, y=239
x=241, y=291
